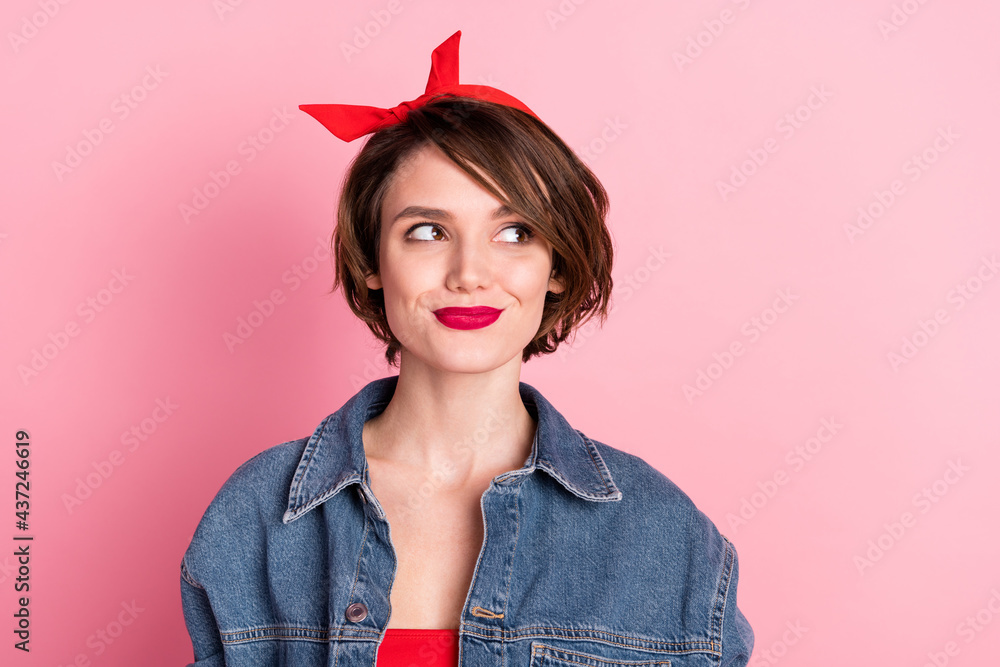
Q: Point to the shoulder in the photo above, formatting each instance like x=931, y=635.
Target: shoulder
x=645, y=488
x=249, y=504
x=637, y=477
x=674, y=546
x=263, y=477
x=681, y=551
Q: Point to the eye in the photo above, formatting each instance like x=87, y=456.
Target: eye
x=526, y=233
x=428, y=231
x=425, y=234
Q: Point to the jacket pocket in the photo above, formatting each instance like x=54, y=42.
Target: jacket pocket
x=543, y=655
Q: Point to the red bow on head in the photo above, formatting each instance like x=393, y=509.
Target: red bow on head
x=350, y=121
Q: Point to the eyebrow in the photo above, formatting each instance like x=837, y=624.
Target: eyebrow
x=501, y=211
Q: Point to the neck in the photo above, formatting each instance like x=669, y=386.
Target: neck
x=458, y=426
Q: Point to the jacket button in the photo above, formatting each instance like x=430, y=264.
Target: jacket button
x=357, y=612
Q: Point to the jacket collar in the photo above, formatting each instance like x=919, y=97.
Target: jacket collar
x=334, y=456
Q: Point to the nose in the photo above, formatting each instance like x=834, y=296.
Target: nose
x=470, y=266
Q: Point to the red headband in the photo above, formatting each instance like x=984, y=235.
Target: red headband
x=350, y=121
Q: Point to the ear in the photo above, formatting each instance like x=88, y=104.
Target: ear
x=374, y=281
x=556, y=285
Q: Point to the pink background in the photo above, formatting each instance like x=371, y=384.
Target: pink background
x=886, y=83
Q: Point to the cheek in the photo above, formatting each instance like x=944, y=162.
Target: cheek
x=528, y=278
x=406, y=281
x=407, y=273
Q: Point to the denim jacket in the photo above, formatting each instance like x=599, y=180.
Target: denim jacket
x=591, y=557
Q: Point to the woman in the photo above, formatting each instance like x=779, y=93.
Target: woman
x=450, y=514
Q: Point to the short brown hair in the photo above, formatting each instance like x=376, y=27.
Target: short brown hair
x=566, y=205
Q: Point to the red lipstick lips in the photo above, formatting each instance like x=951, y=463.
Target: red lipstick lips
x=475, y=317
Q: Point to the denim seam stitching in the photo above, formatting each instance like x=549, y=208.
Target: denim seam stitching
x=723, y=595
x=688, y=646
x=591, y=451
x=265, y=628
x=693, y=646
x=543, y=649
x=306, y=464
x=479, y=559
x=186, y=576
x=510, y=572
x=262, y=634
x=354, y=584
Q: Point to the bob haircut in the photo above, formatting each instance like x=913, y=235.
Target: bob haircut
x=533, y=172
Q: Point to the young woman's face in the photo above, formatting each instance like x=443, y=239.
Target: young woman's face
x=447, y=242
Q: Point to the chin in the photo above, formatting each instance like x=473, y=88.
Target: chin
x=454, y=360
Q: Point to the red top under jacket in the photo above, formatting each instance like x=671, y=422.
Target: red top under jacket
x=405, y=647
